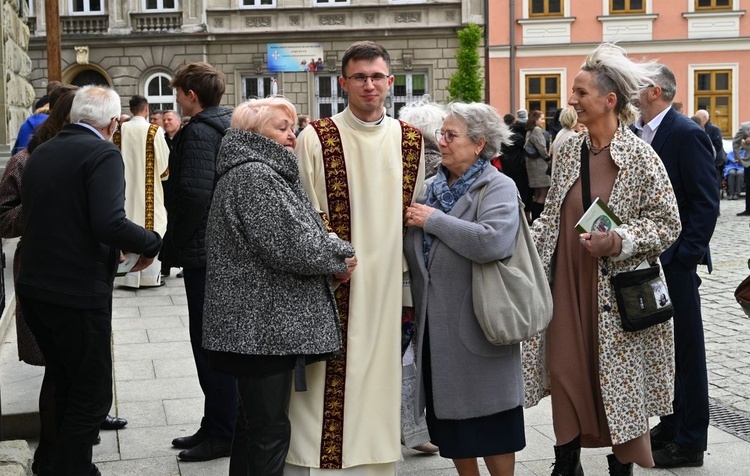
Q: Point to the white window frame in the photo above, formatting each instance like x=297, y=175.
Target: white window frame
x=255, y=4
x=161, y=99
x=409, y=96
x=338, y=103
x=331, y=3
x=87, y=8
x=562, y=72
x=260, y=78
x=160, y=6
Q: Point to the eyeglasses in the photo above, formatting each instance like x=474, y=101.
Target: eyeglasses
x=447, y=135
x=361, y=79
x=117, y=123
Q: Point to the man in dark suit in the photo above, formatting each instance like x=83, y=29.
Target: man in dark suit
x=73, y=196
x=714, y=133
x=680, y=439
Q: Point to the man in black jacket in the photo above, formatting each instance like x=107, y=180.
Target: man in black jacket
x=199, y=87
x=73, y=194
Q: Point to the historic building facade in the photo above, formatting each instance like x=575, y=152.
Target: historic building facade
x=136, y=45
x=536, y=47
x=16, y=94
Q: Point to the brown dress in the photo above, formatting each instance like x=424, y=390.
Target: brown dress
x=572, y=337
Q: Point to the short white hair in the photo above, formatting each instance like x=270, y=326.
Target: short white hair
x=425, y=115
x=95, y=106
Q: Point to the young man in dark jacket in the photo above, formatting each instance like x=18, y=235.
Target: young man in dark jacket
x=73, y=196
x=192, y=178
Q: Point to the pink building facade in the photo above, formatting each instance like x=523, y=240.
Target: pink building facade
x=536, y=48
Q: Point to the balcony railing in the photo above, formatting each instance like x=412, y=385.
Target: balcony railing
x=84, y=25
x=156, y=22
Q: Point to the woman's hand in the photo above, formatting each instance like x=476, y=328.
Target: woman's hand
x=417, y=214
x=602, y=244
x=346, y=275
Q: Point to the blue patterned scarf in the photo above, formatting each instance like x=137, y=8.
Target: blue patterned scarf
x=444, y=197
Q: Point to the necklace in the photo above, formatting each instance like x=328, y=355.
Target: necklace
x=598, y=150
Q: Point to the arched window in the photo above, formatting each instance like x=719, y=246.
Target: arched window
x=158, y=92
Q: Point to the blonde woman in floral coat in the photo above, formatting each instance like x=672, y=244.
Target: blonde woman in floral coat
x=605, y=383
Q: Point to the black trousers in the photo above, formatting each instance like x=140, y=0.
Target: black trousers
x=263, y=430
x=220, y=390
x=689, y=422
x=76, y=347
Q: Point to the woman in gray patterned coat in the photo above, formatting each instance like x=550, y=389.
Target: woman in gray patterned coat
x=269, y=304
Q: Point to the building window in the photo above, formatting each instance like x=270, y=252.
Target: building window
x=258, y=87
x=158, y=92
x=713, y=92
x=257, y=3
x=617, y=7
x=543, y=94
x=407, y=87
x=545, y=8
x=86, y=7
x=704, y=5
x=329, y=96
x=159, y=5
x=328, y=3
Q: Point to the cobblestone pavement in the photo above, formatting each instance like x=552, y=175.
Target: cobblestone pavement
x=726, y=326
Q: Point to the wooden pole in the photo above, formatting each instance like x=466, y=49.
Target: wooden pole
x=52, y=18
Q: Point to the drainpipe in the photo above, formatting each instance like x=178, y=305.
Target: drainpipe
x=487, y=51
x=512, y=56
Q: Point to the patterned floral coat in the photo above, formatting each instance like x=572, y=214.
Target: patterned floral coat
x=636, y=369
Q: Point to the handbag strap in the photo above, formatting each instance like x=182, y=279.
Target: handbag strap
x=585, y=176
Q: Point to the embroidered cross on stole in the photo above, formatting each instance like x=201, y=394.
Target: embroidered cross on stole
x=339, y=221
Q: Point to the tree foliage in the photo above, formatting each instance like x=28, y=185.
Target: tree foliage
x=467, y=83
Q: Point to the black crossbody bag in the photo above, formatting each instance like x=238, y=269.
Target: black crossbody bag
x=642, y=295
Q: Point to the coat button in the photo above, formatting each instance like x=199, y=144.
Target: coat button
x=607, y=307
x=604, y=271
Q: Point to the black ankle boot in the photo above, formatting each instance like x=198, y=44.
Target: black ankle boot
x=568, y=459
x=619, y=469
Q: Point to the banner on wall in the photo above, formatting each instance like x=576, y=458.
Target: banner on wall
x=295, y=57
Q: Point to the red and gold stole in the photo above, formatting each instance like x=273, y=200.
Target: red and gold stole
x=150, y=165
x=339, y=221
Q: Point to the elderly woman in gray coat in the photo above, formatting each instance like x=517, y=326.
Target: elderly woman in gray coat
x=269, y=304
x=473, y=390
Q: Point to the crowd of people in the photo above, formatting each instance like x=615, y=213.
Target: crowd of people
x=301, y=242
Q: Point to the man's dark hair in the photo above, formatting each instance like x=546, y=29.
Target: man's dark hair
x=138, y=103
x=207, y=82
x=158, y=111
x=509, y=119
x=366, y=50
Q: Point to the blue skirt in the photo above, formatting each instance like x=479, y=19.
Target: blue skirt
x=490, y=435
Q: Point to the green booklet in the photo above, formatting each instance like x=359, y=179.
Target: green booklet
x=598, y=218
